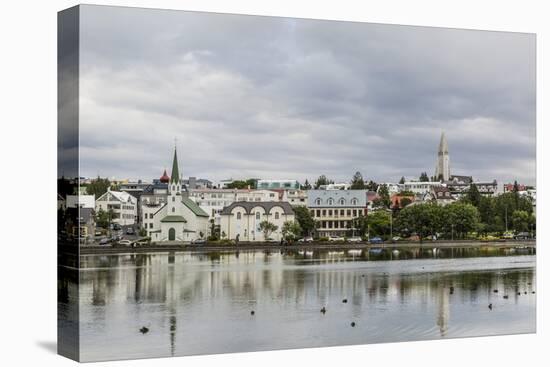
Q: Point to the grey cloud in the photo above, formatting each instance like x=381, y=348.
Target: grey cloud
x=276, y=97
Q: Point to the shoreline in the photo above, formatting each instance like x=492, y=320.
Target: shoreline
x=98, y=250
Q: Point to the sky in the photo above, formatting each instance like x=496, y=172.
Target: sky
x=277, y=98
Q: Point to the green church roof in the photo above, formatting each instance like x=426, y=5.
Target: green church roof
x=193, y=207
x=175, y=176
x=173, y=219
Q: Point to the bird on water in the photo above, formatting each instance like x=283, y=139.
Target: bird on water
x=144, y=330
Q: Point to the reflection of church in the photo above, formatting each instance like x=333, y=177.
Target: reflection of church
x=178, y=218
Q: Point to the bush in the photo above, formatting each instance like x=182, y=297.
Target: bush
x=323, y=239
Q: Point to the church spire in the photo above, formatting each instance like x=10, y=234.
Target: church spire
x=442, y=168
x=175, y=176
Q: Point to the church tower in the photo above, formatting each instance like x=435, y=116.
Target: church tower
x=174, y=186
x=443, y=168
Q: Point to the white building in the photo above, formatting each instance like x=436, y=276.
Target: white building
x=334, y=210
x=177, y=218
x=335, y=186
x=443, y=165
x=419, y=187
x=123, y=205
x=295, y=197
x=286, y=184
x=241, y=220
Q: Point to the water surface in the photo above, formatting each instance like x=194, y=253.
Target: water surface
x=198, y=303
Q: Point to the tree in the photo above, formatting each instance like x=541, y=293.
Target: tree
x=357, y=182
x=243, y=184
x=102, y=218
x=404, y=202
x=379, y=223
x=473, y=196
x=372, y=186
x=521, y=220
x=291, y=230
x=267, y=228
x=402, y=180
x=360, y=224
x=306, y=185
x=424, y=177
x=463, y=217
x=305, y=220
x=383, y=200
x=322, y=180
x=98, y=187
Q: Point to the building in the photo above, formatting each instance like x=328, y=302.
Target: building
x=241, y=220
x=393, y=188
x=419, y=187
x=174, y=217
x=277, y=184
x=509, y=187
x=122, y=204
x=334, y=210
x=81, y=201
x=82, y=207
x=193, y=183
x=443, y=166
x=459, y=188
x=400, y=201
x=439, y=194
x=335, y=186
x=295, y=197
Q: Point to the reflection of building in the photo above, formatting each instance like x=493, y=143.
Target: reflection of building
x=443, y=167
x=443, y=310
x=122, y=204
x=334, y=210
x=242, y=219
x=178, y=218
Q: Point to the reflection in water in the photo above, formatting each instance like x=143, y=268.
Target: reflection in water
x=196, y=303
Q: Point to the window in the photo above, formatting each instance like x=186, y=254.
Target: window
x=318, y=213
x=150, y=225
x=318, y=201
x=324, y=212
x=276, y=215
x=354, y=212
x=331, y=201
x=342, y=201
x=342, y=211
x=354, y=201
x=349, y=212
x=330, y=213
x=173, y=198
x=257, y=215
x=151, y=215
x=238, y=215
x=173, y=210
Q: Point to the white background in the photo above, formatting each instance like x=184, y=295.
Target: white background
x=28, y=177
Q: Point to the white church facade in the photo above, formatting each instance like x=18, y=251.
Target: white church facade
x=178, y=218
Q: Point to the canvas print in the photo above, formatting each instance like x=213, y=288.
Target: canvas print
x=235, y=183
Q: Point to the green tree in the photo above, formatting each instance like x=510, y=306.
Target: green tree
x=463, y=217
x=103, y=218
x=306, y=185
x=404, y=202
x=305, y=220
x=267, y=228
x=424, y=177
x=357, y=182
x=98, y=187
x=372, y=186
x=379, y=223
x=473, y=196
x=360, y=224
x=417, y=219
x=521, y=220
x=291, y=230
x=322, y=180
x=243, y=184
x=383, y=200
x=402, y=180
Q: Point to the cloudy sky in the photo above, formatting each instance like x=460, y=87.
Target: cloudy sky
x=264, y=97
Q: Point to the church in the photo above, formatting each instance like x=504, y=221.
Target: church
x=177, y=218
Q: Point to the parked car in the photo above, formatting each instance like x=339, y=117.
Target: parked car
x=354, y=239
x=396, y=238
x=376, y=240
x=508, y=236
x=198, y=241
x=130, y=230
x=104, y=241
x=523, y=236
x=336, y=239
x=306, y=239
x=125, y=242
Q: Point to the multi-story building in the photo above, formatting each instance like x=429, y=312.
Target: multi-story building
x=241, y=220
x=419, y=187
x=335, y=186
x=334, y=210
x=122, y=204
x=295, y=197
x=82, y=207
x=277, y=184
